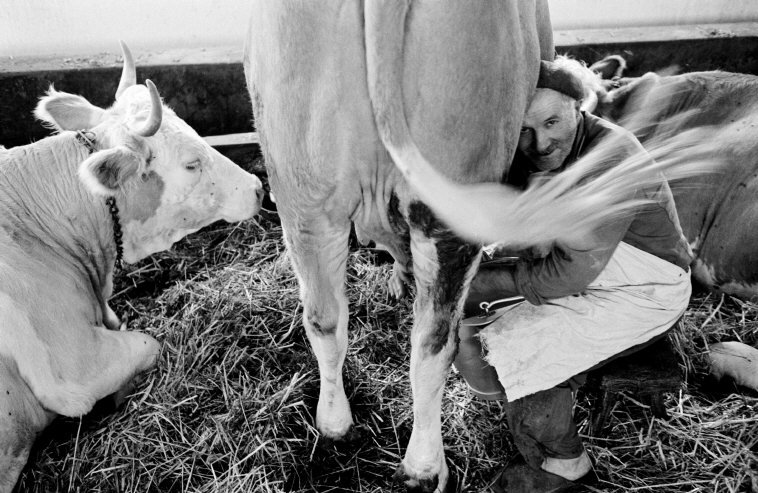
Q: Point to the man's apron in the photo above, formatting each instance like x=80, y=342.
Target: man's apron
x=635, y=298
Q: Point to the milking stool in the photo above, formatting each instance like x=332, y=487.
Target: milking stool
x=644, y=372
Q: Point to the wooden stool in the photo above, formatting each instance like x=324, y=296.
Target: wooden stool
x=646, y=374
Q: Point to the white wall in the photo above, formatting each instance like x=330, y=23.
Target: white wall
x=74, y=27
x=584, y=14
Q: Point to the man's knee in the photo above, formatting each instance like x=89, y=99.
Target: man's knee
x=469, y=361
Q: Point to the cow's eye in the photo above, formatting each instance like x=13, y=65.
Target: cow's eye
x=193, y=166
x=150, y=158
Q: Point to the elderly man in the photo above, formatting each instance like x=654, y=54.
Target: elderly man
x=585, y=304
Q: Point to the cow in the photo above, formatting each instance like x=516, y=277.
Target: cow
x=718, y=212
x=114, y=184
x=353, y=102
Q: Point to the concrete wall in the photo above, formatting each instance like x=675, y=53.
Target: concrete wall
x=75, y=27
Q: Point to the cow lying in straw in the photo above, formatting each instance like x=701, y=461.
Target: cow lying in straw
x=116, y=183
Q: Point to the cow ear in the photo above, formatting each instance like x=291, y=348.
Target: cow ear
x=105, y=172
x=64, y=111
x=614, y=104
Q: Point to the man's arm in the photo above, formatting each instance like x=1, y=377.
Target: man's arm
x=567, y=269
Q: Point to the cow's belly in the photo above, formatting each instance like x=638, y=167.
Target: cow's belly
x=724, y=231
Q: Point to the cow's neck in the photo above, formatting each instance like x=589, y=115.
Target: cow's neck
x=47, y=211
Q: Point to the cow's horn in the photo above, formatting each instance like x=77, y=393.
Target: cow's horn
x=153, y=123
x=128, y=73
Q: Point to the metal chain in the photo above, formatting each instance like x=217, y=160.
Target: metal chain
x=87, y=139
x=117, y=233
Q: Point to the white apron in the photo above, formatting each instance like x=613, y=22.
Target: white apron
x=635, y=298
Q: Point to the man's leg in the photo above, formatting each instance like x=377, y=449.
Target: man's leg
x=545, y=434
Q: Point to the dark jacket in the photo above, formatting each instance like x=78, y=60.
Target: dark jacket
x=653, y=228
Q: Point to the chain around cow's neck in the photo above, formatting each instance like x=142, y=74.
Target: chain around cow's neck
x=87, y=139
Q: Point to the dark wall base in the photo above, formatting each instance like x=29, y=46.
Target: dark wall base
x=212, y=97
x=729, y=54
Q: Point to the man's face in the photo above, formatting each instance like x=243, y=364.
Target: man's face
x=548, y=130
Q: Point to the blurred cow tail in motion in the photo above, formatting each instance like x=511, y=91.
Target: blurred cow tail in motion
x=569, y=206
x=114, y=184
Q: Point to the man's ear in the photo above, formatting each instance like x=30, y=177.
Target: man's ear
x=64, y=111
x=105, y=172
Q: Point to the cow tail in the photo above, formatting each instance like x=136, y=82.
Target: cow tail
x=473, y=213
x=385, y=23
x=566, y=208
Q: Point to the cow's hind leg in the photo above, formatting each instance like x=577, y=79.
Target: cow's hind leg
x=443, y=267
x=319, y=256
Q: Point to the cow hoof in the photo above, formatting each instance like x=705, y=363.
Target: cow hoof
x=396, y=287
x=402, y=480
x=354, y=435
x=399, y=281
x=120, y=396
x=334, y=421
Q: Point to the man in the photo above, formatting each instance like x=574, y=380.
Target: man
x=584, y=305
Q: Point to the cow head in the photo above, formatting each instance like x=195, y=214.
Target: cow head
x=167, y=181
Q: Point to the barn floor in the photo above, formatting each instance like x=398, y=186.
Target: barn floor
x=230, y=407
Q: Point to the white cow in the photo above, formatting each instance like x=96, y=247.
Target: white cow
x=126, y=181
x=340, y=90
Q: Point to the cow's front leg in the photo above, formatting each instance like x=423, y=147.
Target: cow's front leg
x=318, y=250
x=443, y=267
x=120, y=357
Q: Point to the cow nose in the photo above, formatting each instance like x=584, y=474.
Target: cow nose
x=260, y=194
